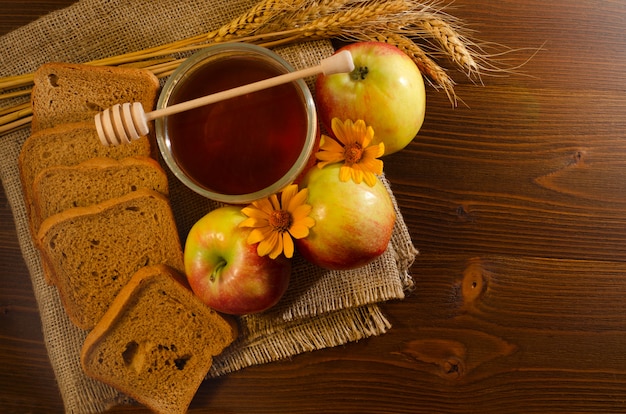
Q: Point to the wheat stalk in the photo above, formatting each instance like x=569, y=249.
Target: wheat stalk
x=19, y=116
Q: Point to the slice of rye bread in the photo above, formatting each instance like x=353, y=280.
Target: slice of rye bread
x=58, y=188
x=157, y=341
x=67, y=144
x=66, y=92
x=92, y=252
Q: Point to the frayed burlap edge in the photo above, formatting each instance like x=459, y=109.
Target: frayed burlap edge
x=328, y=330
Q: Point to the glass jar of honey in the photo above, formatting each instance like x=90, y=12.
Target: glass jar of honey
x=244, y=148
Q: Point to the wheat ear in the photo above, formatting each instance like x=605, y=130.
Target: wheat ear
x=450, y=41
x=248, y=22
x=352, y=19
x=298, y=14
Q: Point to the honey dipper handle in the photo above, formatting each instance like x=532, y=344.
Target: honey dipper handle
x=338, y=63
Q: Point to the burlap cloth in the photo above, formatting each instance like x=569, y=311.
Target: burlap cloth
x=321, y=308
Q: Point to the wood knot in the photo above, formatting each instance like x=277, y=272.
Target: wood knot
x=445, y=356
x=474, y=281
x=579, y=157
x=463, y=213
x=453, y=354
x=453, y=368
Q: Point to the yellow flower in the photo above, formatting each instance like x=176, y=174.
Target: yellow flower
x=274, y=223
x=353, y=148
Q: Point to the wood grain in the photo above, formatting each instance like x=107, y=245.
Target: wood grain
x=14, y=14
x=516, y=200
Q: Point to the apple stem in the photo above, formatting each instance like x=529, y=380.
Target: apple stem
x=359, y=73
x=217, y=270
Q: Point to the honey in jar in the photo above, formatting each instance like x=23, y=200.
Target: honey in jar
x=240, y=145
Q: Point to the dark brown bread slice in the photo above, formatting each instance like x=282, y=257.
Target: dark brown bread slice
x=92, y=252
x=68, y=144
x=64, y=92
x=157, y=341
x=58, y=188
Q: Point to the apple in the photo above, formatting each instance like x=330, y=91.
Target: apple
x=385, y=89
x=353, y=222
x=226, y=272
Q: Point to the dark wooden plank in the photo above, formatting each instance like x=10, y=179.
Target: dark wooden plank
x=534, y=178
x=27, y=379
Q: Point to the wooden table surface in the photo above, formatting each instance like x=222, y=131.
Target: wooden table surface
x=517, y=203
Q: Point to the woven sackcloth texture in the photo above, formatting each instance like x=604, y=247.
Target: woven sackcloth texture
x=321, y=308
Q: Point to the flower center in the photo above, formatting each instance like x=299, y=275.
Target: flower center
x=353, y=153
x=280, y=220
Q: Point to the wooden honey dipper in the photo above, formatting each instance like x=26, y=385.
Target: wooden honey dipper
x=125, y=122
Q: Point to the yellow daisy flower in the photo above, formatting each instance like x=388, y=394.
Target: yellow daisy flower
x=275, y=222
x=353, y=147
